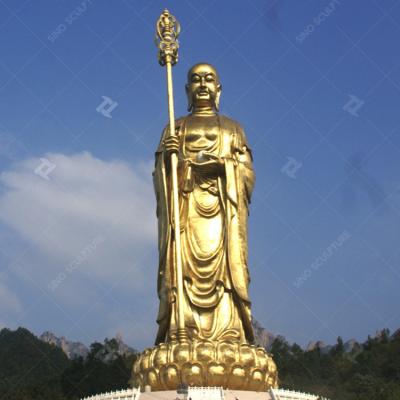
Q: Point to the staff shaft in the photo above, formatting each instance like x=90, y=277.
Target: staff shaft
x=182, y=335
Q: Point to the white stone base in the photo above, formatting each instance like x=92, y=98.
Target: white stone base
x=282, y=394
x=228, y=395
x=205, y=394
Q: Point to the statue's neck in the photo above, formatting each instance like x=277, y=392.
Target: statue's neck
x=204, y=110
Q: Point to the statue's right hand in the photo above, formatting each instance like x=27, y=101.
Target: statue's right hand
x=171, y=144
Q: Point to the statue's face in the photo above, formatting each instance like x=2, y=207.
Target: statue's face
x=203, y=87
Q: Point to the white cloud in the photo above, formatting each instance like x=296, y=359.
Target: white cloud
x=85, y=226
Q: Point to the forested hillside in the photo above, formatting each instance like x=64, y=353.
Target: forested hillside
x=369, y=371
x=31, y=369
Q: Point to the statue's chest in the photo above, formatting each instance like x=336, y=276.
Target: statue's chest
x=201, y=136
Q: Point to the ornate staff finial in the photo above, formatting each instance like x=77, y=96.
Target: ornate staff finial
x=168, y=29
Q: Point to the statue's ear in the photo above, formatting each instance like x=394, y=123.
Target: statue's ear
x=189, y=98
x=217, y=96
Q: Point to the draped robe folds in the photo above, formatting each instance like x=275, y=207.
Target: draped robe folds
x=213, y=213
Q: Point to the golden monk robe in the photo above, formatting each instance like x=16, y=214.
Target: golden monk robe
x=216, y=179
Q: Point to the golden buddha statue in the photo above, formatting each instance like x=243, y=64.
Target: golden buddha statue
x=215, y=179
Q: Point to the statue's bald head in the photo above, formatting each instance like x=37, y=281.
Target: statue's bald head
x=203, y=87
x=202, y=68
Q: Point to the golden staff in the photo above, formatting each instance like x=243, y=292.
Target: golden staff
x=168, y=29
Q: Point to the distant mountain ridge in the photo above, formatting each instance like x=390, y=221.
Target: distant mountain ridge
x=262, y=337
x=348, y=346
x=74, y=350
x=71, y=349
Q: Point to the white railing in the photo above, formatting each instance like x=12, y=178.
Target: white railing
x=205, y=393
x=125, y=394
x=283, y=394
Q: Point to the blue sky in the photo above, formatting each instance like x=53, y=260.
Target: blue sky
x=316, y=85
